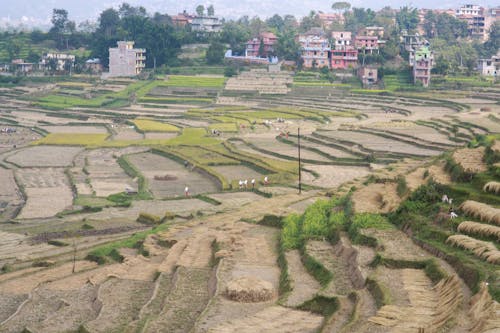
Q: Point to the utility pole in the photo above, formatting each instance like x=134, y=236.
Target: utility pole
x=300, y=176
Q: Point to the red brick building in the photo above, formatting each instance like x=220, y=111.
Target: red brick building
x=267, y=39
x=344, y=59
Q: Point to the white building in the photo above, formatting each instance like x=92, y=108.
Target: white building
x=206, y=24
x=124, y=60
x=489, y=67
x=468, y=9
x=63, y=61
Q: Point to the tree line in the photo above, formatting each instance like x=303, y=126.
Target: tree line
x=162, y=39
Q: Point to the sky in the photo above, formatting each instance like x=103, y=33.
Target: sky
x=38, y=13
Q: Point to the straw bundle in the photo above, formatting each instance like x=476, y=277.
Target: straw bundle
x=493, y=187
x=250, y=289
x=483, y=311
x=450, y=298
x=482, y=211
x=484, y=250
x=482, y=229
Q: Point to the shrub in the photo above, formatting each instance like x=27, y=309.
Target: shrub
x=168, y=216
x=290, y=236
x=402, y=187
x=148, y=218
x=316, y=219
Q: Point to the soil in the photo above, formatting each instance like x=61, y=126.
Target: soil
x=304, y=286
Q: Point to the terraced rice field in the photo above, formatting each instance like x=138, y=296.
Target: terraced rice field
x=44, y=156
x=167, y=178
x=180, y=275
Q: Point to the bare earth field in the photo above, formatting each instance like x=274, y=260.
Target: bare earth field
x=152, y=165
x=45, y=156
x=219, y=263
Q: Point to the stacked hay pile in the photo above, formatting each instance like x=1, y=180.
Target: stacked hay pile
x=470, y=159
x=482, y=211
x=481, y=229
x=485, y=250
x=250, y=289
x=493, y=187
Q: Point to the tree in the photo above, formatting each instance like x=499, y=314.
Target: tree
x=493, y=44
x=341, y=6
x=407, y=18
x=200, y=10
x=261, y=48
x=109, y=21
x=215, y=53
x=276, y=22
x=126, y=10
x=287, y=47
x=236, y=35
x=310, y=21
x=61, y=25
x=358, y=18
x=13, y=47
x=211, y=10
x=59, y=20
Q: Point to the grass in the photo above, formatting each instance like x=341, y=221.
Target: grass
x=146, y=125
x=224, y=127
x=193, y=81
x=104, y=253
x=72, y=139
x=203, y=156
x=94, y=202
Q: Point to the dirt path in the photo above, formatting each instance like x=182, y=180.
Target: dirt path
x=304, y=286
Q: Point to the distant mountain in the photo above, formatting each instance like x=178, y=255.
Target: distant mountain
x=35, y=12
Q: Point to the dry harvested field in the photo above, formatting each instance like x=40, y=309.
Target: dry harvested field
x=155, y=168
x=44, y=156
x=10, y=197
x=376, y=198
x=238, y=172
x=76, y=129
x=47, y=190
x=103, y=173
x=124, y=132
x=333, y=175
x=274, y=146
x=380, y=144
x=22, y=137
x=218, y=262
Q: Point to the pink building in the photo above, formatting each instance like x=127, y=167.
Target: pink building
x=343, y=39
x=315, y=49
x=327, y=19
x=344, y=59
x=268, y=39
x=367, y=43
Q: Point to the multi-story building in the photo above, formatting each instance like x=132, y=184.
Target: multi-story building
x=327, y=19
x=124, y=60
x=367, y=44
x=182, y=19
x=423, y=60
x=490, y=67
x=62, y=61
x=267, y=40
x=342, y=40
x=368, y=75
x=344, y=58
x=315, y=49
x=206, y=24
x=468, y=9
x=372, y=31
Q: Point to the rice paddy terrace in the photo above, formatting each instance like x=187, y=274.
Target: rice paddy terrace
x=98, y=234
